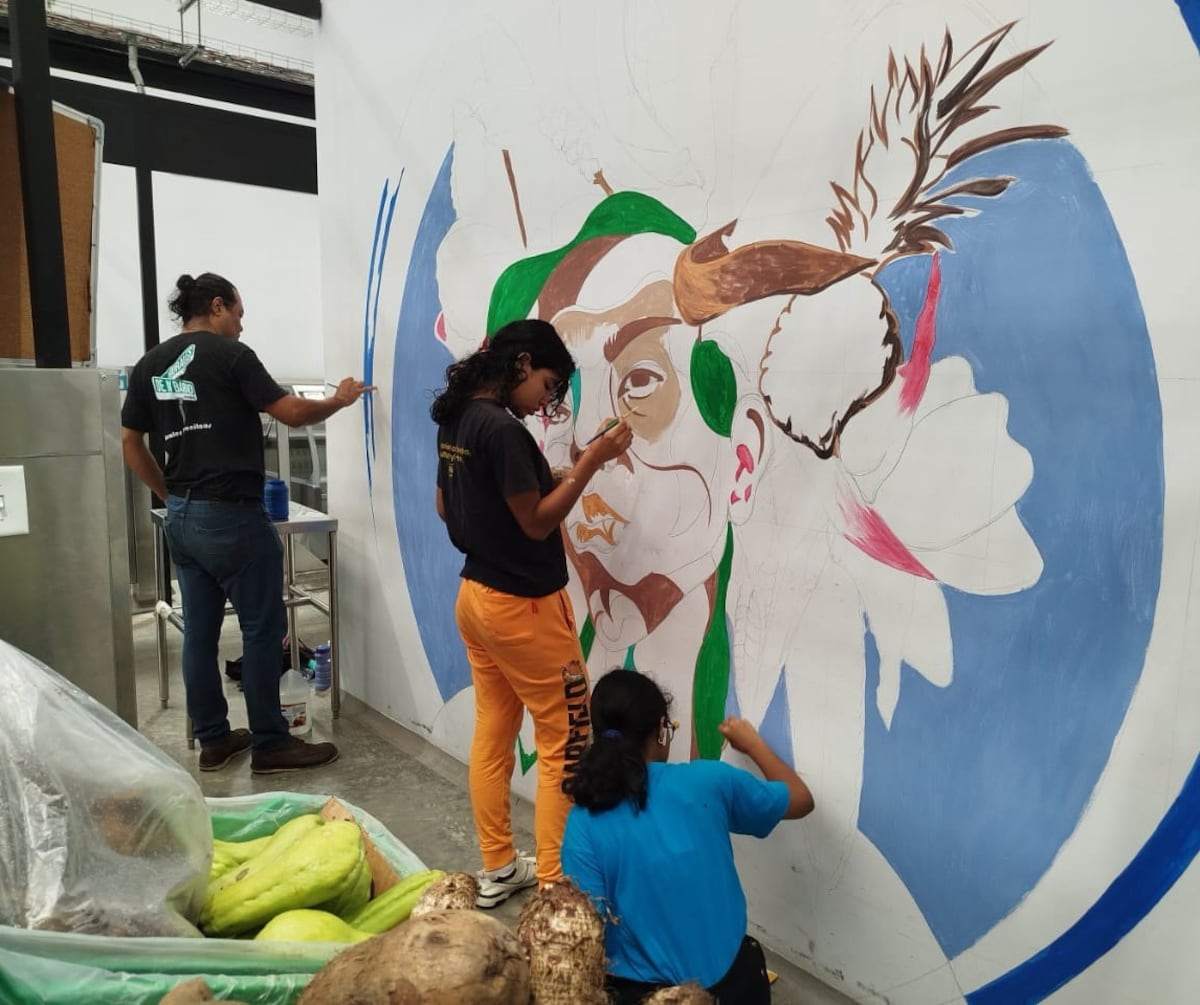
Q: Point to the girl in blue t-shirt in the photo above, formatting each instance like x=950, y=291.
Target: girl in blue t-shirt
x=649, y=842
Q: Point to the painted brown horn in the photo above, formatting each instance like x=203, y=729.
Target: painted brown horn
x=710, y=279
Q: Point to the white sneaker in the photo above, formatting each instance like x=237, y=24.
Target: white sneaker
x=497, y=885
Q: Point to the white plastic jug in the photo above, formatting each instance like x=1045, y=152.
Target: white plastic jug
x=293, y=703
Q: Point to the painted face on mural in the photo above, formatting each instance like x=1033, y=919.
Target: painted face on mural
x=651, y=526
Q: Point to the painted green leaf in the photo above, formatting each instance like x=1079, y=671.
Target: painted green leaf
x=711, y=686
x=714, y=386
x=528, y=760
x=626, y=213
x=586, y=637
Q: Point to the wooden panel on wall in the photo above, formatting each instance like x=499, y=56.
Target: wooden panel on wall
x=76, y=149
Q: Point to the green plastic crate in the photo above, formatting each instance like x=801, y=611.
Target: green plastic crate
x=57, y=968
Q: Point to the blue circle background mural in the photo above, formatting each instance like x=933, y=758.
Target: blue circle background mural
x=989, y=776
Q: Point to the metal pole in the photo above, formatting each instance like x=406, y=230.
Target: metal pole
x=162, y=596
x=335, y=656
x=289, y=579
x=39, y=184
x=144, y=184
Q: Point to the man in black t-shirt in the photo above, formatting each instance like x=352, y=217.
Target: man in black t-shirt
x=201, y=391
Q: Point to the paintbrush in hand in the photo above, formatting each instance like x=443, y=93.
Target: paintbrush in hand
x=611, y=425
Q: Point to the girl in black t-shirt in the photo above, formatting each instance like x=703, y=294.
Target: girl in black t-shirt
x=502, y=508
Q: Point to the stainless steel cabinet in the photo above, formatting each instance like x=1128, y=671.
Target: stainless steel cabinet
x=64, y=585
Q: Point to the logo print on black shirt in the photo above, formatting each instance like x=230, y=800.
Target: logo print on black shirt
x=168, y=386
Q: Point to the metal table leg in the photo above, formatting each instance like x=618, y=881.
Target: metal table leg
x=335, y=661
x=289, y=580
x=160, y=627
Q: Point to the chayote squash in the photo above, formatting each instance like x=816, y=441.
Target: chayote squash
x=310, y=872
x=309, y=925
x=353, y=895
x=283, y=838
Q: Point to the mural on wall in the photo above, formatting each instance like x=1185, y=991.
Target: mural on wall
x=915, y=453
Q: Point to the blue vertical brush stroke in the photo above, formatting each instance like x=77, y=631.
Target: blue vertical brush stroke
x=776, y=726
x=369, y=336
x=368, y=399
x=1130, y=897
x=974, y=789
x=431, y=563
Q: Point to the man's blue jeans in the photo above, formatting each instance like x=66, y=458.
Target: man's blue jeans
x=229, y=550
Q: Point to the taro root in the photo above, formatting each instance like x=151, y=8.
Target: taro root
x=456, y=891
x=563, y=937
x=442, y=958
x=681, y=994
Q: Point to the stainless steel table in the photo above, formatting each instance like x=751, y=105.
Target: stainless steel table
x=300, y=520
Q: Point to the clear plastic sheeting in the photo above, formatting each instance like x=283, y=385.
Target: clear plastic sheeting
x=101, y=832
x=35, y=980
x=52, y=968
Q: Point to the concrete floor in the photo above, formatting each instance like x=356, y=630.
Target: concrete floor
x=414, y=789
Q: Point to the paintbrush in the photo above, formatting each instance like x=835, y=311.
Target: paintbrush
x=612, y=425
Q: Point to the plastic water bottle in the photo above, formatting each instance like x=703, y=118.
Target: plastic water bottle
x=275, y=498
x=293, y=703
x=321, y=680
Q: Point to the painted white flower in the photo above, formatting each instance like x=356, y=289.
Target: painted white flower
x=928, y=497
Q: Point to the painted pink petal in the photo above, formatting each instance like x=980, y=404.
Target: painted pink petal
x=869, y=532
x=439, y=326
x=914, y=374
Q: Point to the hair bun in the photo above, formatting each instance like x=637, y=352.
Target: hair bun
x=185, y=282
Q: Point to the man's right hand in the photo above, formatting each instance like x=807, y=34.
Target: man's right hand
x=349, y=390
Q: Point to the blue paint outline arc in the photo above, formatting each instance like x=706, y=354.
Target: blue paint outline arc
x=387, y=230
x=1129, y=898
x=379, y=245
x=369, y=335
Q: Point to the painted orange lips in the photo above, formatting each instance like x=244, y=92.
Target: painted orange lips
x=599, y=520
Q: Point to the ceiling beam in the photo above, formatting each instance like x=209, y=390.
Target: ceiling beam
x=305, y=8
x=109, y=59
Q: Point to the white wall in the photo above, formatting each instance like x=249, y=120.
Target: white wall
x=265, y=241
x=119, y=338
x=969, y=627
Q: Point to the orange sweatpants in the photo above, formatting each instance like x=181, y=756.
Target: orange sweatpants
x=524, y=654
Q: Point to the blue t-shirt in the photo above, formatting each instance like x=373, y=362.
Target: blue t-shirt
x=664, y=877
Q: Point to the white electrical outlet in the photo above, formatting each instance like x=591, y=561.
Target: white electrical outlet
x=14, y=507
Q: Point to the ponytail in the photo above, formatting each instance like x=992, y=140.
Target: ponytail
x=611, y=770
x=627, y=709
x=193, y=297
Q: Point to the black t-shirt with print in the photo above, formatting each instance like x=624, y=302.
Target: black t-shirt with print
x=202, y=393
x=485, y=456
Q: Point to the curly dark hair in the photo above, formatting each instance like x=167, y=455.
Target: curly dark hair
x=627, y=709
x=497, y=365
